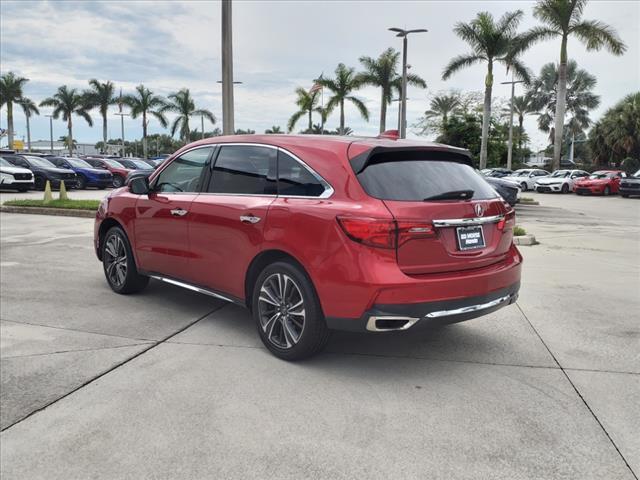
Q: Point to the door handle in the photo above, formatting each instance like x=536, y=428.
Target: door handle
x=249, y=219
x=178, y=212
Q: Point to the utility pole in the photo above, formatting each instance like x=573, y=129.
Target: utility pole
x=227, y=70
x=403, y=95
x=51, y=131
x=510, y=144
x=121, y=115
x=202, y=125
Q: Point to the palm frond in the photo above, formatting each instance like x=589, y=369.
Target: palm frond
x=595, y=35
x=460, y=62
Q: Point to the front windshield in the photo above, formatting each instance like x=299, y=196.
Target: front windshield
x=599, y=175
x=4, y=163
x=637, y=174
x=140, y=164
x=40, y=162
x=114, y=164
x=521, y=173
x=561, y=173
x=78, y=163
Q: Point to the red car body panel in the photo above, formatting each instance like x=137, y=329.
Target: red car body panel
x=211, y=248
x=597, y=186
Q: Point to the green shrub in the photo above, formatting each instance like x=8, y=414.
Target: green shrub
x=519, y=231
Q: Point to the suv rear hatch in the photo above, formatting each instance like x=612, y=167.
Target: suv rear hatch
x=448, y=217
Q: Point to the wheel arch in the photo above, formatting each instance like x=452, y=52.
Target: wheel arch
x=105, y=225
x=260, y=262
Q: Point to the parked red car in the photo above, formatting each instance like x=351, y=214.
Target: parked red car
x=317, y=233
x=119, y=171
x=602, y=182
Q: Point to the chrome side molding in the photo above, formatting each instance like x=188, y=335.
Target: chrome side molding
x=470, y=308
x=188, y=286
x=463, y=222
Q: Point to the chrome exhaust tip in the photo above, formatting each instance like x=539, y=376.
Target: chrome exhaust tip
x=390, y=324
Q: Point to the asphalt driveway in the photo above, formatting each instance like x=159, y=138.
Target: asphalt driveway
x=171, y=384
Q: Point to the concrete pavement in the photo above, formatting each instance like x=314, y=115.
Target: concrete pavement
x=171, y=384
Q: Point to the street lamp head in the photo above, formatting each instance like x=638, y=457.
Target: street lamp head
x=235, y=82
x=403, y=33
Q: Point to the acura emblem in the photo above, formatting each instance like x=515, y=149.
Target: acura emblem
x=479, y=210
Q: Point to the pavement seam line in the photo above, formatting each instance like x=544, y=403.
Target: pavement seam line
x=115, y=367
x=77, y=330
x=75, y=350
x=593, y=414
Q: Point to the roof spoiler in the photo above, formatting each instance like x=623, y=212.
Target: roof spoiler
x=432, y=152
x=390, y=134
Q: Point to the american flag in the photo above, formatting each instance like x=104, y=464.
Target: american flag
x=316, y=86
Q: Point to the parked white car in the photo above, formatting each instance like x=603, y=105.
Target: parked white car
x=15, y=178
x=562, y=181
x=526, y=177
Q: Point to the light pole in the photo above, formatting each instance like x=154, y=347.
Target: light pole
x=399, y=111
x=510, y=145
x=234, y=82
x=50, y=131
x=403, y=104
x=227, y=70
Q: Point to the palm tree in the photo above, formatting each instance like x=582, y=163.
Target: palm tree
x=29, y=108
x=100, y=95
x=383, y=72
x=346, y=81
x=182, y=103
x=10, y=93
x=522, y=106
x=145, y=103
x=563, y=18
x=306, y=103
x=67, y=102
x=442, y=106
x=65, y=140
x=274, y=129
x=491, y=42
x=579, y=97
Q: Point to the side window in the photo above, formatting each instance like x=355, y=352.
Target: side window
x=184, y=173
x=295, y=179
x=244, y=169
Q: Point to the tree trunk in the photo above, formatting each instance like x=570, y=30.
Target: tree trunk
x=561, y=101
x=310, y=121
x=486, y=116
x=383, y=112
x=520, y=132
x=144, y=134
x=341, y=117
x=28, y=133
x=70, y=137
x=10, y=124
x=104, y=132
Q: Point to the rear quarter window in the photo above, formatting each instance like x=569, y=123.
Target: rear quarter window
x=390, y=178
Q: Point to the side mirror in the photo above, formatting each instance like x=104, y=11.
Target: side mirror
x=138, y=184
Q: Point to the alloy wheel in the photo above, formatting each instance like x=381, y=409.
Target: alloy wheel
x=282, y=311
x=115, y=260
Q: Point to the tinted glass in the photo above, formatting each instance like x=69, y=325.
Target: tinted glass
x=244, y=170
x=114, y=164
x=41, y=162
x=4, y=163
x=78, y=163
x=295, y=179
x=184, y=173
x=415, y=180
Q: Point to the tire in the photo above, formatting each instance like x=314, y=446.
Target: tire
x=291, y=326
x=606, y=191
x=523, y=186
x=82, y=183
x=119, y=265
x=625, y=195
x=118, y=181
x=22, y=190
x=564, y=189
x=539, y=190
x=39, y=183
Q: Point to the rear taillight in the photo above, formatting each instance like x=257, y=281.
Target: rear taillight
x=508, y=221
x=380, y=233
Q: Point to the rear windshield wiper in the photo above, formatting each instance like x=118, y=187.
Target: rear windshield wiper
x=452, y=195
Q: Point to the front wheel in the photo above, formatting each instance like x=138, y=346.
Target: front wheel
x=625, y=195
x=82, y=183
x=287, y=312
x=523, y=186
x=565, y=189
x=119, y=264
x=606, y=191
x=118, y=181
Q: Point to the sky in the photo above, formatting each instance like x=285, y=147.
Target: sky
x=277, y=47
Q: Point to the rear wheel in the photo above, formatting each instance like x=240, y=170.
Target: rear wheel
x=119, y=264
x=523, y=186
x=118, y=181
x=606, y=191
x=287, y=312
x=565, y=188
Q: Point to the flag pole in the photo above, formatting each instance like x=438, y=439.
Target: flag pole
x=322, y=110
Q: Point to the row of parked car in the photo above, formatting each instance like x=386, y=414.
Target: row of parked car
x=601, y=182
x=23, y=172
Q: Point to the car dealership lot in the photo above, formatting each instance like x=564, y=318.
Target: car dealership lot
x=170, y=384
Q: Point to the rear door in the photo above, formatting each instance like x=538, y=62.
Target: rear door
x=162, y=216
x=227, y=221
x=437, y=233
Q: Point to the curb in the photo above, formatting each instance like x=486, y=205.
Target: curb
x=527, y=239
x=535, y=202
x=58, y=212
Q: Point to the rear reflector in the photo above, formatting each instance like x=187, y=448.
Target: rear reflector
x=508, y=221
x=382, y=233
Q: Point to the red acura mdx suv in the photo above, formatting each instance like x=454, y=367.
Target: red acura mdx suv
x=314, y=233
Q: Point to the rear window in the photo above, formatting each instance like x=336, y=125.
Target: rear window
x=416, y=180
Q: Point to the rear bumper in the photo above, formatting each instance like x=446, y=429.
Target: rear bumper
x=386, y=318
